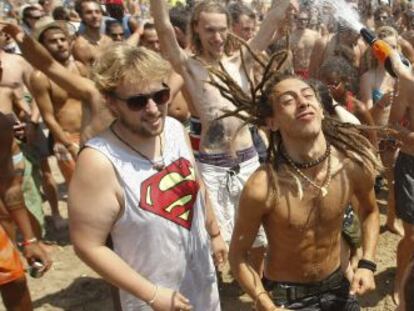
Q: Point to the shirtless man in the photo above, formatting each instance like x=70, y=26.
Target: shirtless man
x=225, y=159
x=302, y=41
x=149, y=38
x=16, y=75
x=178, y=107
x=300, y=198
x=403, y=109
x=13, y=285
x=61, y=113
x=95, y=115
x=243, y=20
x=88, y=44
x=343, y=43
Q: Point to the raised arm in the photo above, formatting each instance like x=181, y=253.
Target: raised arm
x=316, y=58
x=169, y=45
x=271, y=23
x=78, y=87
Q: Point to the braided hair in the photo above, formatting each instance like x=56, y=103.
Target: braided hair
x=256, y=105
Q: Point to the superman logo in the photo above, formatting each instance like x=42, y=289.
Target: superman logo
x=171, y=193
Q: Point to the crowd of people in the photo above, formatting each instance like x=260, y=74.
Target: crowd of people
x=196, y=134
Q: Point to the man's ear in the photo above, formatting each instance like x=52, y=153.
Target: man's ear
x=110, y=103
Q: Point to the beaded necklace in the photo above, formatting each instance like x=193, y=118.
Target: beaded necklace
x=323, y=189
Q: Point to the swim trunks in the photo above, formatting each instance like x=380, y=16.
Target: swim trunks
x=11, y=267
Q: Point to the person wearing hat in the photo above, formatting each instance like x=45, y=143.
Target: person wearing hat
x=60, y=111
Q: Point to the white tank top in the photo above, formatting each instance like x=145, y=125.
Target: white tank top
x=161, y=233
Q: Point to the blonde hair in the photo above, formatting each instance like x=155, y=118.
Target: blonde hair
x=208, y=6
x=123, y=62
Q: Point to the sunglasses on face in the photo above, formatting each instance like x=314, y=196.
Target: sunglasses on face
x=140, y=101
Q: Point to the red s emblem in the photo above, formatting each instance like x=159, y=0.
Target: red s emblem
x=171, y=193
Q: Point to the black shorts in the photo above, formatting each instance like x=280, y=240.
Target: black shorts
x=404, y=187
x=331, y=294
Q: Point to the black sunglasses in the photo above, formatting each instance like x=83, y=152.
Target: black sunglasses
x=140, y=101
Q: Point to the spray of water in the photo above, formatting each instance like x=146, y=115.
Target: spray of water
x=343, y=12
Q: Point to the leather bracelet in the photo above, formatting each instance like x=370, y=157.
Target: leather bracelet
x=213, y=236
x=28, y=242
x=367, y=264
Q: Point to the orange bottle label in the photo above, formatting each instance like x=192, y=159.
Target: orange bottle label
x=381, y=50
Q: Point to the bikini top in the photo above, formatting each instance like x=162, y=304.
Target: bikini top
x=377, y=94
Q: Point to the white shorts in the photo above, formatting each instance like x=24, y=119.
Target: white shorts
x=224, y=187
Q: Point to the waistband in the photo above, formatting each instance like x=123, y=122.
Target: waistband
x=226, y=160
x=287, y=291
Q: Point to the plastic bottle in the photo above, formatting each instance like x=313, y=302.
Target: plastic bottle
x=381, y=50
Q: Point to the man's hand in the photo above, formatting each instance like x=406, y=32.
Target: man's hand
x=362, y=282
x=168, y=300
x=73, y=150
x=12, y=30
x=19, y=131
x=220, y=251
x=400, y=69
x=34, y=252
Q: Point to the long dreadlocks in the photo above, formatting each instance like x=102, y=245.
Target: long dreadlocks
x=256, y=105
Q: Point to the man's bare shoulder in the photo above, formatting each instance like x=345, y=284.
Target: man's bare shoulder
x=39, y=81
x=92, y=163
x=257, y=188
x=80, y=40
x=358, y=174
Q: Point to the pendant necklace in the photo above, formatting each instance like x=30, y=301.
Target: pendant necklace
x=323, y=189
x=156, y=165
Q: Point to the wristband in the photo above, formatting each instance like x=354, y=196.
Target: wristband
x=367, y=264
x=152, y=300
x=213, y=236
x=28, y=242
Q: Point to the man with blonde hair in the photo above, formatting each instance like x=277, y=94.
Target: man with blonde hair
x=137, y=182
x=139, y=177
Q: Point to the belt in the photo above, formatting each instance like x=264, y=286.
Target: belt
x=280, y=291
x=226, y=160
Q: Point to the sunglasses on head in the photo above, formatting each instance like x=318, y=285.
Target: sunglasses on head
x=140, y=101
